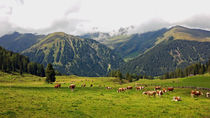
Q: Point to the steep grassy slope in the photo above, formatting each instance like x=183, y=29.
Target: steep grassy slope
x=115, y=41
x=137, y=44
x=29, y=96
x=183, y=33
x=73, y=55
x=174, y=50
x=18, y=42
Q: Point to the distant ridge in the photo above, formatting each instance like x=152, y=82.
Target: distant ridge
x=17, y=42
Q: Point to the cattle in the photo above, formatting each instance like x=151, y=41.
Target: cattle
x=72, y=87
x=91, y=85
x=164, y=90
x=159, y=92
x=121, y=89
x=129, y=87
x=57, y=85
x=108, y=87
x=139, y=88
x=207, y=94
x=83, y=85
x=150, y=93
x=157, y=88
x=170, y=88
x=176, y=98
x=196, y=93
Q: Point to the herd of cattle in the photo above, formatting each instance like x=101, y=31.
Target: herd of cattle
x=157, y=91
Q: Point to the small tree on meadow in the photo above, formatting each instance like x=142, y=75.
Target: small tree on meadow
x=50, y=73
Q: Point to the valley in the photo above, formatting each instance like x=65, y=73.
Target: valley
x=30, y=96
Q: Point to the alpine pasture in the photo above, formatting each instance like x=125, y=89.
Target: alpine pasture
x=29, y=96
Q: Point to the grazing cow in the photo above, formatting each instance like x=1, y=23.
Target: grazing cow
x=108, y=87
x=139, y=88
x=72, y=87
x=176, y=98
x=129, y=87
x=150, y=93
x=170, y=88
x=157, y=88
x=164, y=90
x=57, y=85
x=208, y=94
x=91, y=85
x=159, y=92
x=196, y=93
x=121, y=89
x=83, y=85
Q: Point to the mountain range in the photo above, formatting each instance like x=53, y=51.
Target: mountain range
x=152, y=53
x=175, y=48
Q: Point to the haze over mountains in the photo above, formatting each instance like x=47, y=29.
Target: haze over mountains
x=152, y=53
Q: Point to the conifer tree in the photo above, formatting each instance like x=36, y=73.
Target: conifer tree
x=50, y=74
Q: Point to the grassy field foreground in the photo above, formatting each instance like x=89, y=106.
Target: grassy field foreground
x=30, y=96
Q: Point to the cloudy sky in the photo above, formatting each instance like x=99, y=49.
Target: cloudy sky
x=81, y=16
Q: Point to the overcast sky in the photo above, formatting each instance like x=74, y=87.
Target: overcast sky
x=80, y=16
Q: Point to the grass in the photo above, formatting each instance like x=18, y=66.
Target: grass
x=30, y=96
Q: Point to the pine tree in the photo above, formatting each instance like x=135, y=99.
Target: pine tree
x=127, y=76
x=119, y=75
x=50, y=74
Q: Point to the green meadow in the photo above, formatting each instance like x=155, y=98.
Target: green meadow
x=29, y=96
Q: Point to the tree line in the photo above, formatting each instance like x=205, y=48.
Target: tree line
x=14, y=62
x=128, y=76
x=194, y=69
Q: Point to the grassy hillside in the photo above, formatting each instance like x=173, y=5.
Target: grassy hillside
x=30, y=96
x=73, y=55
x=183, y=33
x=116, y=41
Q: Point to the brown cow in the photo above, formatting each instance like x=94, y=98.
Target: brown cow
x=157, y=88
x=91, y=85
x=176, y=98
x=121, y=89
x=170, y=88
x=196, y=93
x=150, y=93
x=159, y=92
x=129, y=87
x=57, y=85
x=72, y=87
x=164, y=90
x=139, y=88
x=83, y=85
x=208, y=94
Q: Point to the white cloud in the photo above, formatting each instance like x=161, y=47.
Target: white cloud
x=79, y=16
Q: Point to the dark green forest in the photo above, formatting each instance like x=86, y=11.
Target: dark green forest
x=191, y=70
x=14, y=62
